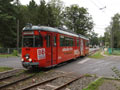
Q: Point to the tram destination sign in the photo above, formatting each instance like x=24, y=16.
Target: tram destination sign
x=28, y=33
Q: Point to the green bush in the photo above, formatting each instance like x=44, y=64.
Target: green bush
x=15, y=53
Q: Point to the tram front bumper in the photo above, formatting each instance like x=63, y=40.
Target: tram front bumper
x=29, y=64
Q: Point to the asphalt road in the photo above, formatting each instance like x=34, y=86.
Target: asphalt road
x=14, y=62
x=100, y=67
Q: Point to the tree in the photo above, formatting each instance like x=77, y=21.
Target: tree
x=32, y=12
x=51, y=16
x=113, y=32
x=7, y=23
x=107, y=36
x=116, y=30
x=77, y=19
x=94, y=38
x=42, y=18
x=57, y=8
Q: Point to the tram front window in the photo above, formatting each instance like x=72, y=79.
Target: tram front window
x=38, y=41
x=33, y=41
x=28, y=41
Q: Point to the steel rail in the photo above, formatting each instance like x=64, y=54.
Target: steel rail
x=9, y=71
x=43, y=82
x=6, y=85
x=13, y=73
x=69, y=82
x=5, y=77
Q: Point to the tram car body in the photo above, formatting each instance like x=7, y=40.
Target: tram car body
x=46, y=46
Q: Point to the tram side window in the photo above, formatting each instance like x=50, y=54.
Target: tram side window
x=54, y=41
x=48, y=40
x=66, y=41
x=71, y=42
x=77, y=42
x=87, y=44
x=38, y=41
x=62, y=40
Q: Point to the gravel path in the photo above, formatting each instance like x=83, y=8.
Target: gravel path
x=110, y=85
x=81, y=83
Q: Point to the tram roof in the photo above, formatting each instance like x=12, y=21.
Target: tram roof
x=46, y=28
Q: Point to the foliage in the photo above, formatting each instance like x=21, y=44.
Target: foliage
x=32, y=12
x=97, y=55
x=42, y=14
x=7, y=23
x=57, y=8
x=94, y=85
x=107, y=53
x=113, y=31
x=77, y=19
x=107, y=36
x=15, y=53
x=94, y=40
x=116, y=30
x=46, y=14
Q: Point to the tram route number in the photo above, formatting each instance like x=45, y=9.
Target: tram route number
x=41, y=53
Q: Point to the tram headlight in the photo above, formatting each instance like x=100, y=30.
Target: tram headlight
x=22, y=59
x=27, y=57
x=30, y=60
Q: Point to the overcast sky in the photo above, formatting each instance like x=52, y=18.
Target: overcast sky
x=101, y=10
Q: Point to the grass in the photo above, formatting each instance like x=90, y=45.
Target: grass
x=6, y=55
x=94, y=85
x=2, y=69
x=107, y=53
x=97, y=55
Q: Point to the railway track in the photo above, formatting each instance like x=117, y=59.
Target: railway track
x=8, y=74
x=14, y=82
x=12, y=77
x=55, y=83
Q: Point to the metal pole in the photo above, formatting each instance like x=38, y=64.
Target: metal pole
x=17, y=27
x=17, y=34
x=112, y=39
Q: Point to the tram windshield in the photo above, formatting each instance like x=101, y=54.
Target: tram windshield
x=33, y=41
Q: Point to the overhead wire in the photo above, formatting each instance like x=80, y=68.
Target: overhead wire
x=100, y=8
x=94, y=4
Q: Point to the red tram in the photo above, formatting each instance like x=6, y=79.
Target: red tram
x=46, y=46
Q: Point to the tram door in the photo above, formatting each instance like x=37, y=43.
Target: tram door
x=54, y=45
x=48, y=49
x=51, y=49
x=81, y=47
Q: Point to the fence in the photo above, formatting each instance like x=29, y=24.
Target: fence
x=115, y=51
x=9, y=50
